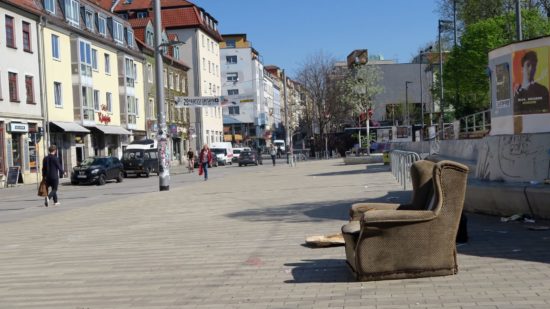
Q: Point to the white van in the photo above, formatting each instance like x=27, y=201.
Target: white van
x=223, y=152
x=279, y=144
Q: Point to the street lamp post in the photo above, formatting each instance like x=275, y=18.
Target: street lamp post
x=440, y=25
x=408, y=119
x=164, y=169
x=421, y=56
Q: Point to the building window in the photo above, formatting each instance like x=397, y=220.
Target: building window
x=71, y=11
x=10, y=32
x=165, y=78
x=55, y=47
x=177, y=81
x=150, y=37
x=230, y=44
x=130, y=37
x=107, y=64
x=150, y=72
x=94, y=59
x=142, y=15
x=233, y=110
x=210, y=87
x=171, y=80
x=58, y=99
x=49, y=5
x=14, y=92
x=209, y=67
x=88, y=104
x=204, y=64
x=208, y=44
x=27, y=37
x=231, y=59
x=232, y=91
x=101, y=25
x=88, y=19
x=85, y=59
x=29, y=87
x=118, y=32
x=232, y=76
x=131, y=101
x=96, y=100
x=176, y=53
x=202, y=36
x=130, y=75
x=109, y=101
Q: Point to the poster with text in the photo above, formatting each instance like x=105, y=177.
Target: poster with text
x=530, y=81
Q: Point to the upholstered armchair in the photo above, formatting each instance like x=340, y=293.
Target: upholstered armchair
x=421, y=178
x=410, y=240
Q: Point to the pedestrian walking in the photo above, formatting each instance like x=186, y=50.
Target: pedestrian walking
x=51, y=170
x=259, y=150
x=205, y=159
x=273, y=153
x=191, y=161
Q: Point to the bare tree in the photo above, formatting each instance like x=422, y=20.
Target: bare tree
x=314, y=75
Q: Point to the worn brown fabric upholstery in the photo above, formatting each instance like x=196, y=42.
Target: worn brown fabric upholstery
x=407, y=243
x=421, y=177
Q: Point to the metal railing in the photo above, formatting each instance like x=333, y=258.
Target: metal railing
x=478, y=122
x=401, y=162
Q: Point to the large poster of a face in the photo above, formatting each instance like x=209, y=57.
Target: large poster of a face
x=530, y=67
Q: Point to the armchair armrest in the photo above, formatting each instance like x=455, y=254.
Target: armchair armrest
x=397, y=216
x=354, y=227
x=358, y=209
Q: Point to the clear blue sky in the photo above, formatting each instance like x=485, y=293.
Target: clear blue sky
x=285, y=32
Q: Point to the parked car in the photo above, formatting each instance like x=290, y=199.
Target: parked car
x=141, y=158
x=223, y=151
x=248, y=157
x=97, y=170
x=236, y=153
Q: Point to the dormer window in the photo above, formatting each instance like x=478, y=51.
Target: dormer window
x=130, y=37
x=149, y=38
x=101, y=25
x=49, y=5
x=176, y=53
x=118, y=32
x=71, y=12
x=142, y=15
x=88, y=19
x=230, y=43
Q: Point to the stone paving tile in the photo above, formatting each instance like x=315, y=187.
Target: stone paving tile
x=237, y=242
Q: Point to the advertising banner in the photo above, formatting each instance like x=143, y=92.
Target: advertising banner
x=530, y=67
x=197, y=101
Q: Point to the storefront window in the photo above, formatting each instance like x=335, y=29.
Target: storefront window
x=16, y=149
x=2, y=165
x=33, y=150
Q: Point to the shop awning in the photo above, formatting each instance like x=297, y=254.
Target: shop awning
x=70, y=127
x=112, y=130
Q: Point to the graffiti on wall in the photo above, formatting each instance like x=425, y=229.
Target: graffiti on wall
x=516, y=158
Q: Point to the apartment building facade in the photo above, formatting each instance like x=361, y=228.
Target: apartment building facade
x=199, y=31
x=21, y=121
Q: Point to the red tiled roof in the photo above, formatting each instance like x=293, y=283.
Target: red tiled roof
x=106, y=4
x=124, y=5
x=28, y=5
x=187, y=17
x=139, y=22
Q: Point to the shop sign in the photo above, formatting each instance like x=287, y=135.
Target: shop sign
x=197, y=101
x=103, y=116
x=17, y=127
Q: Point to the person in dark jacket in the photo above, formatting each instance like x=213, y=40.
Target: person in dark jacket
x=51, y=169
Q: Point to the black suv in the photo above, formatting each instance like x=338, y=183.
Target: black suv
x=97, y=170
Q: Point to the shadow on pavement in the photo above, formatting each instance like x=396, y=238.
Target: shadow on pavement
x=506, y=240
x=369, y=170
x=324, y=270
x=318, y=211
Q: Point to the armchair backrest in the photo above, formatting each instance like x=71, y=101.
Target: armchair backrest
x=422, y=182
x=450, y=180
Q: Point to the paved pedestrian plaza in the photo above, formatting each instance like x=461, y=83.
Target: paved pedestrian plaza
x=237, y=241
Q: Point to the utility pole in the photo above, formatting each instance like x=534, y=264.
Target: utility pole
x=164, y=167
x=287, y=136
x=519, y=31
